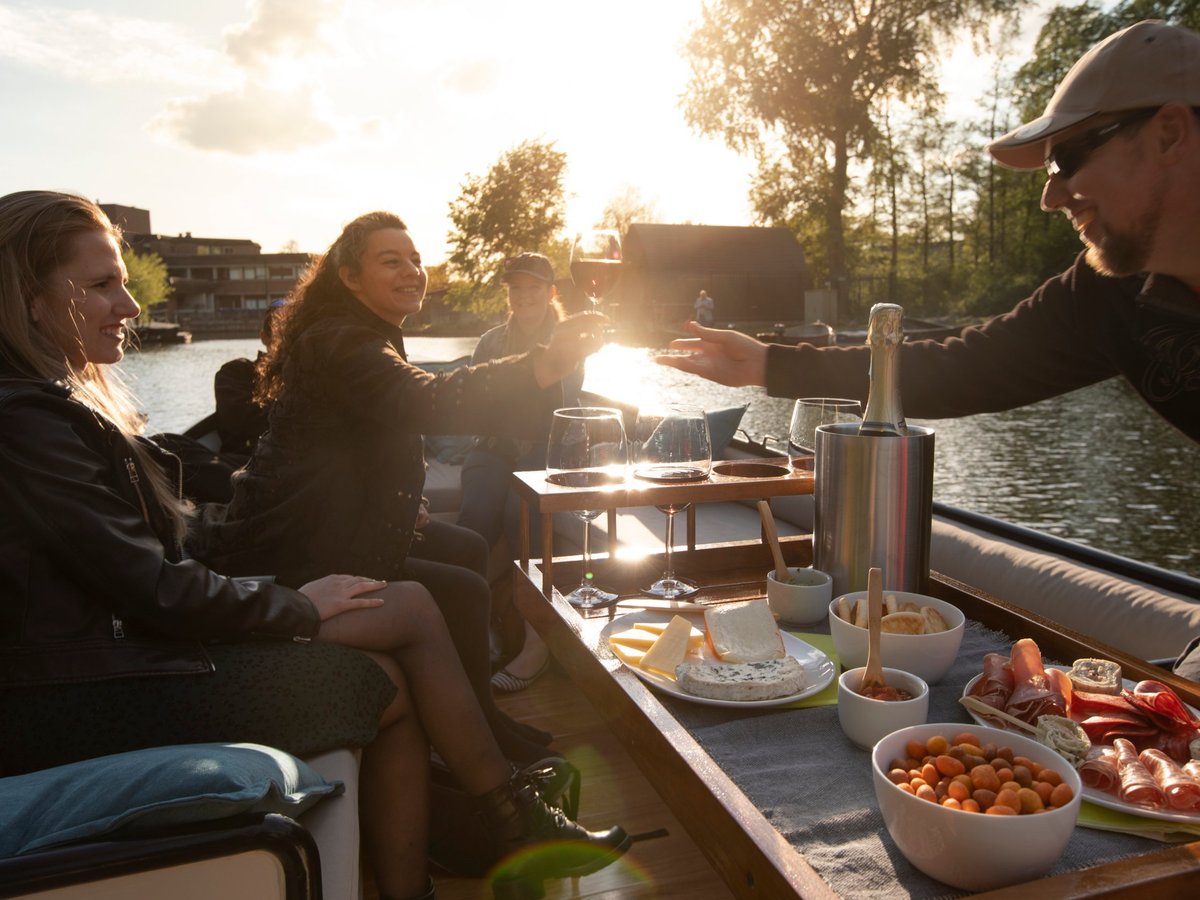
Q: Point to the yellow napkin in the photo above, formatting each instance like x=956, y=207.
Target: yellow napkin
x=1105, y=819
x=828, y=696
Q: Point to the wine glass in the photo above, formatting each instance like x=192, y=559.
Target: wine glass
x=596, y=262
x=587, y=448
x=670, y=447
x=808, y=413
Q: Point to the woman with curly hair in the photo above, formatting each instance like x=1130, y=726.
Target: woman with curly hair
x=336, y=480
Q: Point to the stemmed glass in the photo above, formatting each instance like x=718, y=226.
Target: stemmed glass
x=670, y=447
x=587, y=448
x=596, y=262
x=808, y=413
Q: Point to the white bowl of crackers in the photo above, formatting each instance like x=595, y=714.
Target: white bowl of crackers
x=919, y=634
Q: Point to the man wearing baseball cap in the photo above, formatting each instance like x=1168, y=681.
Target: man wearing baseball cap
x=1120, y=141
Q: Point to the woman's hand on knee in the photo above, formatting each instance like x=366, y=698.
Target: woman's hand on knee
x=336, y=594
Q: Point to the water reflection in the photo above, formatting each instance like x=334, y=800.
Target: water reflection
x=1096, y=466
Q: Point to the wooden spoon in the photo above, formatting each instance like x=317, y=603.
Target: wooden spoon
x=782, y=575
x=873, y=676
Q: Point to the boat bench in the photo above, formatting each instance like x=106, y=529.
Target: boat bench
x=190, y=823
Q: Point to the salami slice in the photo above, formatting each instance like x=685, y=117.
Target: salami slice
x=1181, y=791
x=1137, y=784
x=1099, y=771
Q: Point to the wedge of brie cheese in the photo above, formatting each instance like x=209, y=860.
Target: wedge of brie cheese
x=764, y=680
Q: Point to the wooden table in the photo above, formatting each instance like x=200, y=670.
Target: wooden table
x=754, y=859
x=730, y=480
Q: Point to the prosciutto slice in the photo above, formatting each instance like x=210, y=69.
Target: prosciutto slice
x=1182, y=792
x=1191, y=768
x=1034, y=693
x=1099, y=770
x=996, y=683
x=1137, y=784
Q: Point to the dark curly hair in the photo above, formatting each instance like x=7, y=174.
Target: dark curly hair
x=318, y=294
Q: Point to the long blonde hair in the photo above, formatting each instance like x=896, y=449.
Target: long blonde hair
x=37, y=229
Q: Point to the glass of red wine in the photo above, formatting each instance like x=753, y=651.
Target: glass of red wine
x=596, y=262
x=672, y=447
x=587, y=449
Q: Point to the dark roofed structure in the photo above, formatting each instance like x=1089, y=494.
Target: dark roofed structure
x=752, y=274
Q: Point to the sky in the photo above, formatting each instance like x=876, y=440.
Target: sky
x=281, y=120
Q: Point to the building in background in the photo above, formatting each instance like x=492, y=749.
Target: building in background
x=219, y=285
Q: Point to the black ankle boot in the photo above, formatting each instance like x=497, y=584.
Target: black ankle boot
x=536, y=841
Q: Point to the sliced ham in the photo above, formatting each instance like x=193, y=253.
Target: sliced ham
x=996, y=683
x=1034, y=693
x=1099, y=770
x=1181, y=791
x=1137, y=784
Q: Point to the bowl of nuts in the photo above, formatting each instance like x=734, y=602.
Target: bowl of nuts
x=975, y=807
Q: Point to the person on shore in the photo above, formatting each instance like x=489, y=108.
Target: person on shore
x=1120, y=140
x=240, y=419
x=705, y=308
x=335, y=483
x=489, y=506
x=111, y=641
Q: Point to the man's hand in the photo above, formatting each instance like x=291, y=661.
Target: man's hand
x=336, y=594
x=721, y=355
x=422, y=515
x=574, y=339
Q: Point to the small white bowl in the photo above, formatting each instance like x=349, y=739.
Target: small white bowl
x=928, y=655
x=802, y=601
x=973, y=851
x=865, y=721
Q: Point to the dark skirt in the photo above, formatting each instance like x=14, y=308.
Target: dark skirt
x=301, y=698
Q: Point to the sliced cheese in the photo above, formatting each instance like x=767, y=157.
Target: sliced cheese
x=631, y=656
x=670, y=649
x=634, y=637
x=656, y=627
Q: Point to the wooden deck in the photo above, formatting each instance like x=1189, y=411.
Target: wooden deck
x=614, y=791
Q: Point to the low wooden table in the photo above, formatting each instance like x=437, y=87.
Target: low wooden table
x=753, y=858
x=730, y=480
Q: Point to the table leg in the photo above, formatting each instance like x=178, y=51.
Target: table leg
x=524, y=526
x=548, y=553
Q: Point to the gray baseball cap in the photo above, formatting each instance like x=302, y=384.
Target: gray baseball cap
x=1143, y=66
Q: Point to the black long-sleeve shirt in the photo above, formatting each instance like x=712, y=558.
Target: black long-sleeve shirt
x=1077, y=329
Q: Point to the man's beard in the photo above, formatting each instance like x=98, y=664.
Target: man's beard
x=1128, y=253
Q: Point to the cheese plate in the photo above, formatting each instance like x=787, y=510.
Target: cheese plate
x=819, y=669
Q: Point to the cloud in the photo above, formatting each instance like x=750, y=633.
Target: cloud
x=279, y=29
x=254, y=119
x=88, y=46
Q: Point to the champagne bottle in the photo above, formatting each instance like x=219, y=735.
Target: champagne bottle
x=884, y=415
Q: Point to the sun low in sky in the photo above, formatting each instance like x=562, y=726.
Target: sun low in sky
x=280, y=120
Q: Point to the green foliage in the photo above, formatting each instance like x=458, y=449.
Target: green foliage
x=148, y=281
x=799, y=82
x=517, y=205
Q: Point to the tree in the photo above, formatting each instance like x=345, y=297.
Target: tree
x=798, y=82
x=625, y=208
x=148, y=280
x=518, y=205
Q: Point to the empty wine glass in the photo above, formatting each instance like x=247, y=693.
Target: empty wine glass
x=587, y=448
x=596, y=262
x=808, y=413
x=671, y=447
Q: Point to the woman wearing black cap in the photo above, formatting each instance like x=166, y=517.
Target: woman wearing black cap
x=488, y=504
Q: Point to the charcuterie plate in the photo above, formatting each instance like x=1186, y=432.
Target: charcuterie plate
x=1092, y=795
x=819, y=669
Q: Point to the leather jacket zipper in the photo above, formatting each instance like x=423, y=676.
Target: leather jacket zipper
x=135, y=480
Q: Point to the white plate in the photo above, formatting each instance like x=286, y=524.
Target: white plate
x=819, y=669
x=1092, y=795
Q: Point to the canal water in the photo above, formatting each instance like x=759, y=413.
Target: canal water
x=1095, y=466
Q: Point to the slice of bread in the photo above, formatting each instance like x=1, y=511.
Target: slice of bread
x=743, y=632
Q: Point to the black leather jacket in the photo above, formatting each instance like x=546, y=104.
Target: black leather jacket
x=91, y=587
x=335, y=483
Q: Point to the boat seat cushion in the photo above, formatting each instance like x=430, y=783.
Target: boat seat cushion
x=1132, y=616
x=147, y=789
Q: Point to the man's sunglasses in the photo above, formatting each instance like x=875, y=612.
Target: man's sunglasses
x=1067, y=158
